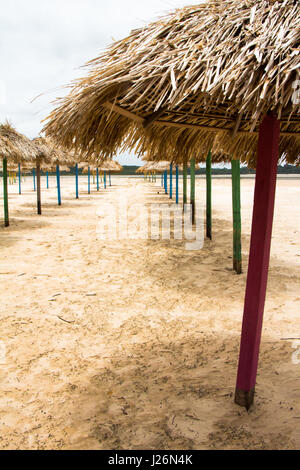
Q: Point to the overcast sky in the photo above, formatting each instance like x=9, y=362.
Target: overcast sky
x=43, y=43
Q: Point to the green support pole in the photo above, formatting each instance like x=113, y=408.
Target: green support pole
x=193, y=165
x=58, y=185
x=208, y=198
x=236, y=208
x=20, y=178
x=5, y=193
x=184, y=184
x=33, y=174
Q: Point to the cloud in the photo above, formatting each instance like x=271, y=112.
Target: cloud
x=44, y=43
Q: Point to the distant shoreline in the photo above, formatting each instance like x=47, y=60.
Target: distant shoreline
x=225, y=176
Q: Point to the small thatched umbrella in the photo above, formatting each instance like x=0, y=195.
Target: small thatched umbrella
x=110, y=166
x=62, y=160
x=43, y=157
x=105, y=166
x=165, y=88
x=149, y=166
x=86, y=168
x=15, y=148
x=162, y=166
x=223, y=72
x=148, y=170
x=55, y=157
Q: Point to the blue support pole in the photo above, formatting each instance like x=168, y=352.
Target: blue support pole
x=33, y=174
x=47, y=180
x=77, y=180
x=89, y=180
x=58, y=185
x=20, y=191
x=177, y=184
x=105, y=180
x=166, y=182
x=171, y=181
x=98, y=179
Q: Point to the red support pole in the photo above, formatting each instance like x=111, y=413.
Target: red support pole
x=259, y=257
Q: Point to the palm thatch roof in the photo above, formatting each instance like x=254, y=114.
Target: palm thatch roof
x=43, y=150
x=110, y=165
x=158, y=166
x=8, y=150
x=49, y=152
x=200, y=76
x=105, y=165
x=15, y=146
x=149, y=166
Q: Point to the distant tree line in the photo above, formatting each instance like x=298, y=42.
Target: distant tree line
x=129, y=170
x=287, y=169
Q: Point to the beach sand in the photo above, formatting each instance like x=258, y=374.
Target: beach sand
x=133, y=344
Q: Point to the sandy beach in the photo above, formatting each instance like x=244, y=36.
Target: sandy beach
x=133, y=344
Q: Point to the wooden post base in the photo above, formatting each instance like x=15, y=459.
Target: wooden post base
x=245, y=399
x=237, y=266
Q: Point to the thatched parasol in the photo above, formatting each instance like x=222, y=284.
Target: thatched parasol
x=15, y=148
x=94, y=165
x=148, y=170
x=9, y=151
x=110, y=165
x=157, y=166
x=198, y=79
x=145, y=168
x=48, y=157
x=220, y=73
